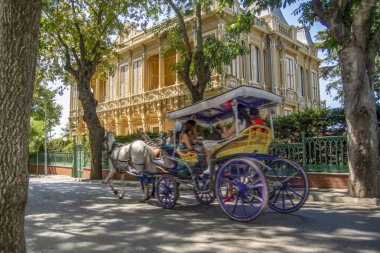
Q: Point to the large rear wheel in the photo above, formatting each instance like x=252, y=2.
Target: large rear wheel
x=288, y=185
x=241, y=189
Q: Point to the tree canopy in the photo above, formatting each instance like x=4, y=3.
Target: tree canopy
x=200, y=56
x=79, y=37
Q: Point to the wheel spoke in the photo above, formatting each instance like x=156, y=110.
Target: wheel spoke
x=296, y=193
x=290, y=197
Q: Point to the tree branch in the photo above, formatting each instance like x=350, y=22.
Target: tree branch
x=189, y=54
x=332, y=18
x=182, y=24
x=362, y=21
x=82, y=47
x=68, y=66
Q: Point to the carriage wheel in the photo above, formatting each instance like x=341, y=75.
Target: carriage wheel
x=288, y=186
x=166, y=191
x=205, y=198
x=241, y=189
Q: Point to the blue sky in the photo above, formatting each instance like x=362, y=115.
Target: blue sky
x=292, y=20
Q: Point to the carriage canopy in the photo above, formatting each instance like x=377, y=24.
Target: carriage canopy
x=219, y=107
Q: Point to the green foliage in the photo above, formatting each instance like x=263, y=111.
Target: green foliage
x=36, y=135
x=330, y=70
x=81, y=34
x=322, y=122
x=44, y=101
x=217, y=52
x=59, y=145
x=132, y=137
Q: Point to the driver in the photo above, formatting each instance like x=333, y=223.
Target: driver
x=243, y=122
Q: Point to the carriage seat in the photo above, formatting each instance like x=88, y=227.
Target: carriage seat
x=258, y=139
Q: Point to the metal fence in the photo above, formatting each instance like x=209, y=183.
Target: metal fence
x=317, y=154
x=66, y=159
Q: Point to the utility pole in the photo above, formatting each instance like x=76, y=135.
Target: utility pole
x=46, y=170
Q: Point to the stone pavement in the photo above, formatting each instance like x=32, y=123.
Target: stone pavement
x=67, y=215
x=324, y=195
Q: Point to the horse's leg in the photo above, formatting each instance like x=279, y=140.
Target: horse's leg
x=152, y=194
x=121, y=196
x=110, y=175
x=146, y=193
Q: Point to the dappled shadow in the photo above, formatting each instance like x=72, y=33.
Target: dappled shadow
x=69, y=216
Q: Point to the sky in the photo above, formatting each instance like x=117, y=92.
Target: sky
x=64, y=100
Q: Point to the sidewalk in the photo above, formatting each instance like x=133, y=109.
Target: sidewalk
x=340, y=196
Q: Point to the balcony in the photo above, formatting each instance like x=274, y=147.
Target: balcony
x=141, y=98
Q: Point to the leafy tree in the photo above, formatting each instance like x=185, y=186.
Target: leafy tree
x=199, y=58
x=314, y=122
x=79, y=35
x=354, y=26
x=330, y=71
x=19, y=29
x=44, y=102
x=36, y=135
x=58, y=144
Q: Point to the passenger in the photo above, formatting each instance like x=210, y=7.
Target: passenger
x=216, y=134
x=244, y=121
x=256, y=119
x=188, y=137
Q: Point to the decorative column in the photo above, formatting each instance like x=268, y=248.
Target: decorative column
x=160, y=68
x=143, y=70
x=282, y=73
x=159, y=116
x=261, y=57
x=143, y=115
x=275, y=66
x=130, y=74
x=129, y=120
x=97, y=90
x=176, y=74
x=117, y=81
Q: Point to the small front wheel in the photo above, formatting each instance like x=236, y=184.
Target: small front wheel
x=205, y=197
x=241, y=189
x=166, y=191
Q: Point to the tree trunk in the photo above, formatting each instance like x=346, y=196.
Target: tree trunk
x=360, y=110
x=19, y=29
x=95, y=129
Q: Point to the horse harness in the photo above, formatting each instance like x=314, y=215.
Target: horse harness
x=119, y=165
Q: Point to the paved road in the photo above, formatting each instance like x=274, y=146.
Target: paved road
x=63, y=215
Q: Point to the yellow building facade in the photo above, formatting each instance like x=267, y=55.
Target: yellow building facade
x=143, y=88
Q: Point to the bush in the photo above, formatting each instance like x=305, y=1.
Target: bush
x=314, y=122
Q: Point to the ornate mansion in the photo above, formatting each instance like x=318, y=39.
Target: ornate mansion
x=144, y=88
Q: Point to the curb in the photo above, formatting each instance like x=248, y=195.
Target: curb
x=339, y=197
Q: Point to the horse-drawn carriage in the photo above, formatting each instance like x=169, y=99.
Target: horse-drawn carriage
x=242, y=175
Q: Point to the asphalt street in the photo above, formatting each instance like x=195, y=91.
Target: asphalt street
x=64, y=215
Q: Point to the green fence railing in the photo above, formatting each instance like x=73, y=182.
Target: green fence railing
x=317, y=154
x=65, y=159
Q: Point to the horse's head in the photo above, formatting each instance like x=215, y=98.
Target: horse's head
x=109, y=139
x=142, y=136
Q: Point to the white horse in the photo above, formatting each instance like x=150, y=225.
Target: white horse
x=134, y=158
